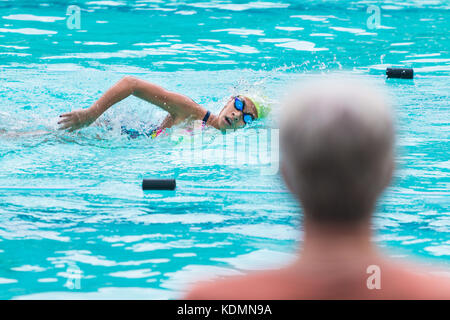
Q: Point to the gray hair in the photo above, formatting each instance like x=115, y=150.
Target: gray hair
x=337, y=140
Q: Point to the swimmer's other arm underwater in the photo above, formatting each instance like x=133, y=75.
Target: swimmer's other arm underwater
x=239, y=110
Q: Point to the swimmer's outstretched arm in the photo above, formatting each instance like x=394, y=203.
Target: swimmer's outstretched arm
x=177, y=105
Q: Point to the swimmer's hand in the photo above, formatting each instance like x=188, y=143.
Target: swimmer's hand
x=76, y=119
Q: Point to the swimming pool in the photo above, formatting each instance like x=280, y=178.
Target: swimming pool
x=71, y=205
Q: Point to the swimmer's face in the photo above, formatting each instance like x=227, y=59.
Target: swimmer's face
x=231, y=118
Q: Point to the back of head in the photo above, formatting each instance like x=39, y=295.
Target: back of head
x=337, y=149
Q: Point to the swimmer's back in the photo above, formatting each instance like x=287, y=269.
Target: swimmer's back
x=397, y=282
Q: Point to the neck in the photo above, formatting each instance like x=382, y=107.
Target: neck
x=334, y=244
x=213, y=121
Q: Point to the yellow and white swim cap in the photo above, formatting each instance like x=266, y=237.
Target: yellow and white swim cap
x=261, y=105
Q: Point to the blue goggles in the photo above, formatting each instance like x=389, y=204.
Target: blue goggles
x=239, y=104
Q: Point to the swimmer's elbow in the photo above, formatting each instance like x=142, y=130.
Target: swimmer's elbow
x=130, y=83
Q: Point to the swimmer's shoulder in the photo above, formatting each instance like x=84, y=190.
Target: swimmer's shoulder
x=259, y=285
x=426, y=283
x=398, y=281
x=404, y=280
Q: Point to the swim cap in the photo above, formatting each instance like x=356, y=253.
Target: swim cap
x=262, y=109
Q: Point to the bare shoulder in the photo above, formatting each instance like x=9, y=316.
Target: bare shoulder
x=415, y=282
x=257, y=285
x=434, y=284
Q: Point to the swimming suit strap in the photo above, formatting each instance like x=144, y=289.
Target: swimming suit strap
x=206, y=117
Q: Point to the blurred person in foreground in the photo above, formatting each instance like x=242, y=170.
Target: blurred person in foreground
x=337, y=142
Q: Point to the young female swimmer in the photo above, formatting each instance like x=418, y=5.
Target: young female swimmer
x=239, y=110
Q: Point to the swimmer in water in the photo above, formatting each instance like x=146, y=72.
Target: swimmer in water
x=238, y=112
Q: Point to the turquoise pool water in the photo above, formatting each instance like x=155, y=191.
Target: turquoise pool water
x=71, y=204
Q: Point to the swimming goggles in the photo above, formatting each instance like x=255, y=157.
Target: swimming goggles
x=239, y=104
